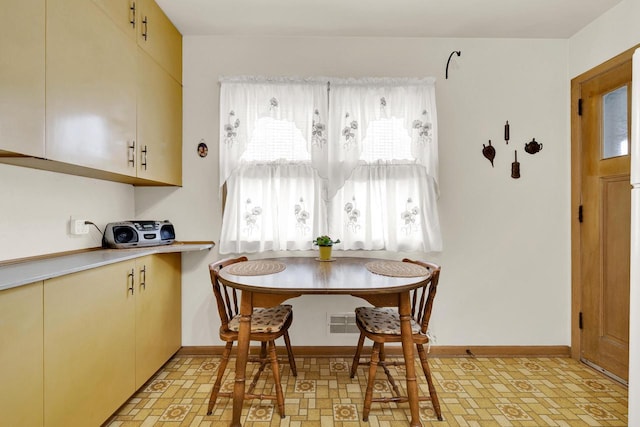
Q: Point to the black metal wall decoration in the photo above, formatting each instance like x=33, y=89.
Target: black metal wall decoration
x=532, y=147
x=506, y=132
x=489, y=152
x=457, y=52
x=515, y=168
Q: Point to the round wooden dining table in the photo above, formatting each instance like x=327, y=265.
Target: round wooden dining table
x=269, y=281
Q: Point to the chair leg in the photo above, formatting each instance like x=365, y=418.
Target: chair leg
x=276, y=377
x=292, y=360
x=427, y=373
x=263, y=350
x=356, y=357
x=221, y=369
x=372, y=376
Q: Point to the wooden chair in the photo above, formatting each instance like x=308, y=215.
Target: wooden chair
x=382, y=325
x=267, y=324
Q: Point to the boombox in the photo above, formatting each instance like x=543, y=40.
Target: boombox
x=132, y=234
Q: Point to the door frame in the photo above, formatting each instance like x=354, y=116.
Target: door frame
x=576, y=192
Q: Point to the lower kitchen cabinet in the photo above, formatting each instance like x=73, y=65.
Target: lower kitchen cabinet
x=89, y=345
x=106, y=331
x=158, y=313
x=21, y=393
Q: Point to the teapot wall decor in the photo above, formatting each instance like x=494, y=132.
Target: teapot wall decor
x=532, y=147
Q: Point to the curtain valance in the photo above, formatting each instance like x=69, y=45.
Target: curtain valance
x=333, y=116
x=355, y=103
x=245, y=100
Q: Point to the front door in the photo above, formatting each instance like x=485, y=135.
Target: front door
x=606, y=217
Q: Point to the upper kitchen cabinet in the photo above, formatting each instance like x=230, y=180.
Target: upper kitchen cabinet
x=98, y=105
x=88, y=80
x=159, y=38
x=90, y=88
x=144, y=21
x=159, y=123
x=22, y=78
x=123, y=13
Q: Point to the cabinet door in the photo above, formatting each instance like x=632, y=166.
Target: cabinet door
x=122, y=13
x=21, y=393
x=22, y=77
x=90, y=88
x=89, y=345
x=159, y=38
x=158, y=313
x=159, y=123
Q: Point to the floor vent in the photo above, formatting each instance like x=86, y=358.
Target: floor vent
x=342, y=323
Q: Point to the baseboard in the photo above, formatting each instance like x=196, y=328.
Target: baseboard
x=436, y=351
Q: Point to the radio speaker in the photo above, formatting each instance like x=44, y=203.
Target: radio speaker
x=167, y=232
x=124, y=234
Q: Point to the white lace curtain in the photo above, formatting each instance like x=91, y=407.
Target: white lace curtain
x=246, y=100
x=358, y=161
x=356, y=103
x=391, y=205
x=272, y=206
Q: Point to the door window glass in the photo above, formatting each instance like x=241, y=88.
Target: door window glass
x=615, y=138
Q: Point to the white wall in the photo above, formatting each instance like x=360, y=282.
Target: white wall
x=35, y=208
x=610, y=34
x=506, y=262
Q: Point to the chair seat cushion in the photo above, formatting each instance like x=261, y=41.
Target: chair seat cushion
x=382, y=320
x=270, y=319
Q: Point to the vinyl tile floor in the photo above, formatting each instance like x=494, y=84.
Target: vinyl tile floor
x=472, y=392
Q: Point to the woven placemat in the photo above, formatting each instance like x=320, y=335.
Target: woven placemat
x=256, y=268
x=396, y=269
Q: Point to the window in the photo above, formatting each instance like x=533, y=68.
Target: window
x=615, y=129
x=274, y=140
x=359, y=164
x=387, y=139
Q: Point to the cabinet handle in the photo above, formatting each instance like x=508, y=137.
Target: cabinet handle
x=132, y=8
x=143, y=283
x=144, y=157
x=132, y=154
x=144, y=30
x=132, y=281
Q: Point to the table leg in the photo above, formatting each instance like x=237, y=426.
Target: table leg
x=244, y=331
x=407, y=349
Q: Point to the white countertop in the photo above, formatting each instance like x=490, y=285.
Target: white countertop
x=43, y=268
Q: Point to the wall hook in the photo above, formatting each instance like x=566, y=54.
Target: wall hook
x=457, y=52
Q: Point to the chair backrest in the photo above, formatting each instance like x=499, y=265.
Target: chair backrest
x=226, y=297
x=422, y=298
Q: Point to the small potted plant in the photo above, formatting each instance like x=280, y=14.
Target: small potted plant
x=325, y=243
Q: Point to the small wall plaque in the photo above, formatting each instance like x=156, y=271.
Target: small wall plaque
x=203, y=150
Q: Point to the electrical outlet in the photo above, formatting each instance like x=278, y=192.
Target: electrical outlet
x=78, y=227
